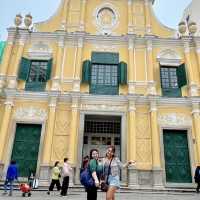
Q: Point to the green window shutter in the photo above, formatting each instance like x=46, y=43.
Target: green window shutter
x=122, y=73
x=86, y=71
x=49, y=69
x=161, y=84
x=181, y=75
x=105, y=58
x=2, y=47
x=24, y=69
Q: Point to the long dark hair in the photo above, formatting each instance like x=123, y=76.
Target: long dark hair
x=113, y=149
x=91, y=151
x=56, y=163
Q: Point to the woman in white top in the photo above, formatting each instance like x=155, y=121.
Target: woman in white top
x=112, y=166
x=66, y=172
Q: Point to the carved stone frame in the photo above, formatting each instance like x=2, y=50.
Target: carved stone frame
x=191, y=154
x=12, y=130
x=123, y=139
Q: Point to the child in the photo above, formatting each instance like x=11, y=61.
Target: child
x=26, y=189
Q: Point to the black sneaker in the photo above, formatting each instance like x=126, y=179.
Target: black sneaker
x=48, y=193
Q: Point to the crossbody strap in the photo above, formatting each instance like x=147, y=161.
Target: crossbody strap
x=109, y=170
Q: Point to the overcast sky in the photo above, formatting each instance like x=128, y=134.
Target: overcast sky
x=167, y=11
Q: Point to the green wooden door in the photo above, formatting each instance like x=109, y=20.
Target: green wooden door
x=177, y=161
x=26, y=147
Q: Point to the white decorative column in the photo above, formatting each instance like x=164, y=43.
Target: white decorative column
x=6, y=119
x=193, y=87
x=156, y=149
x=74, y=129
x=131, y=66
x=196, y=123
x=77, y=75
x=151, y=87
x=12, y=76
x=82, y=15
x=148, y=16
x=131, y=145
x=130, y=16
x=7, y=56
x=48, y=139
x=59, y=61
x=197, y=42
x=65, y=13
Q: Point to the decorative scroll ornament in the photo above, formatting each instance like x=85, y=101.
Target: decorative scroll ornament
x=30, y=113
x=174, y=119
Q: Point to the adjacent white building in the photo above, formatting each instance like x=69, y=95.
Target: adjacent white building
x=192, y=13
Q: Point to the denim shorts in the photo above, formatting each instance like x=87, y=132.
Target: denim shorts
x=114, y=181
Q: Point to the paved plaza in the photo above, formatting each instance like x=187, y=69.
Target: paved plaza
x=137, y=195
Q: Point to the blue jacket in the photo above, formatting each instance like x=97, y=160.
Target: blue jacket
x=12, y=172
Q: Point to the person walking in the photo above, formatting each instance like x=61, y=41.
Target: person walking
x=11, y=175
x=55, y=178
x=66, y=172
x=94, y=168
x=197, y=178
x=112, y=166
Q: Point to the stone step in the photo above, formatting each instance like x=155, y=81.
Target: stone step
x=123, y=189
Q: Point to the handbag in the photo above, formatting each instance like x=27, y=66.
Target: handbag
x=104, y=184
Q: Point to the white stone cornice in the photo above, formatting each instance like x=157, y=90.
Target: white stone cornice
x=75, y=104
x=114, y=40
x=195, y=108
x=195, y=111
x=130, y=2
x=153, y=106
x=193, y=90
x=52, y=102
x=61, y=41
x=9, y=96
x=32, y=96
x=103, y=99
x=132, y=106
x=53, y=97
x=9, y=102
x=115, y=100
x=198, y=50
x=146, y=2
x=80, y=42
x=149, y=45
x=186, y=47
x=130, y=44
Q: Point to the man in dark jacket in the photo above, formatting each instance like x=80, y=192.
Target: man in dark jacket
x=12, y=174
x=197, y=178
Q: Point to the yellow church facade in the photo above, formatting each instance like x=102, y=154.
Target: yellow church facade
x=100, y=73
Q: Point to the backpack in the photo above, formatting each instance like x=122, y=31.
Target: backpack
x=86, y=178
